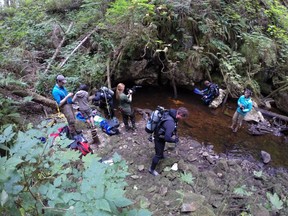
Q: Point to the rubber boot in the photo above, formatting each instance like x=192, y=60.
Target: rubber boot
x=127, y=128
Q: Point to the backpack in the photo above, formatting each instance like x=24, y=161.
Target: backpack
x=155, y=119
x=81, y=144
x=215, y=90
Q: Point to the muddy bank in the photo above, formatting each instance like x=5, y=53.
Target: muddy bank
x=194, y=180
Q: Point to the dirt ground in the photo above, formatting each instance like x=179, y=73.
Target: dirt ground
x=215, y=177
x=193, y=179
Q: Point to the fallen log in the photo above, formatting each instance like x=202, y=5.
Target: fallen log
x=272, y=114
x=35, y=97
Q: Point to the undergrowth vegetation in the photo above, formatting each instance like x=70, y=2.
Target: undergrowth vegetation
x=248, y=32
x=40, y=176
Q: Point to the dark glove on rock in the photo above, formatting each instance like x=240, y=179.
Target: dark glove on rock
x=176, y=141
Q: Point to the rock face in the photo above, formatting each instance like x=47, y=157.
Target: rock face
x=281, y=101
x=146, y=72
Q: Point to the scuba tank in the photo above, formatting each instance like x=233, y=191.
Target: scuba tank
x=154, y=119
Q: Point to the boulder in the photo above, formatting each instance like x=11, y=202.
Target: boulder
x=265, y=157
x=281, y=100
x=218, y=100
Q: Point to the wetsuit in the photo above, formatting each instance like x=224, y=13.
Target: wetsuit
x=164, y=133
x=211, y=92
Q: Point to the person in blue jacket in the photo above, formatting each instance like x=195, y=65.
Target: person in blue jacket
x=166, y=132
x=64, y=102
x=244, y=106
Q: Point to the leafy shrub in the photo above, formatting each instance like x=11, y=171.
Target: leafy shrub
x=38, y=178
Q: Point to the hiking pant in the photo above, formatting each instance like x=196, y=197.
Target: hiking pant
x=237, y=119
x=68, y=112
x=126, y=118
x=159, y=152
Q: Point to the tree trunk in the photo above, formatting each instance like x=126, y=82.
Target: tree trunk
x=108, y=73
x=272, y=114
x=77, y=47
x=35, y=97
x=58, y=48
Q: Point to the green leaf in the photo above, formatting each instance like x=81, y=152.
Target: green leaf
x=258, y=174
x=43, y=189
x=242, y=191
x=8, y=133
x=275, y=201
x=57, y=181
x=113, y=193
x=102, y=204
x=67, y=197
x=4, y=197
x=13, y=162
x=116, y=158
x=187, y=177
x=122, y=202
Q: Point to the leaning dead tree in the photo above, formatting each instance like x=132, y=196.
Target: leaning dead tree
x=77, y=47
x=35, y=97
x=58, y=48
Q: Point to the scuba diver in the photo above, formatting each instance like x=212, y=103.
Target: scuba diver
x=104, y=99
x=166, y=132
x=209, y=93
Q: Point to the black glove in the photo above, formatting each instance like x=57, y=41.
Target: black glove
x=176, y=140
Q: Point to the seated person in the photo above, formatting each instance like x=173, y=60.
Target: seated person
x=104, y=99
x=210, y=92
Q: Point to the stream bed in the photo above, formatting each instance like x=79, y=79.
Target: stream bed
x=212, y=126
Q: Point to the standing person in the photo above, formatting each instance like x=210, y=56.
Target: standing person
x=166, y=132
x=64, y=102
x=81, y=97
x=125, y=106
x=244, y=106
x=210, y=92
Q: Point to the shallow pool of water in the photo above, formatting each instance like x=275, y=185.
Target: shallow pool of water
x=210, y=126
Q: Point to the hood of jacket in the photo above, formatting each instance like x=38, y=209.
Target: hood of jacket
x=172, y=113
